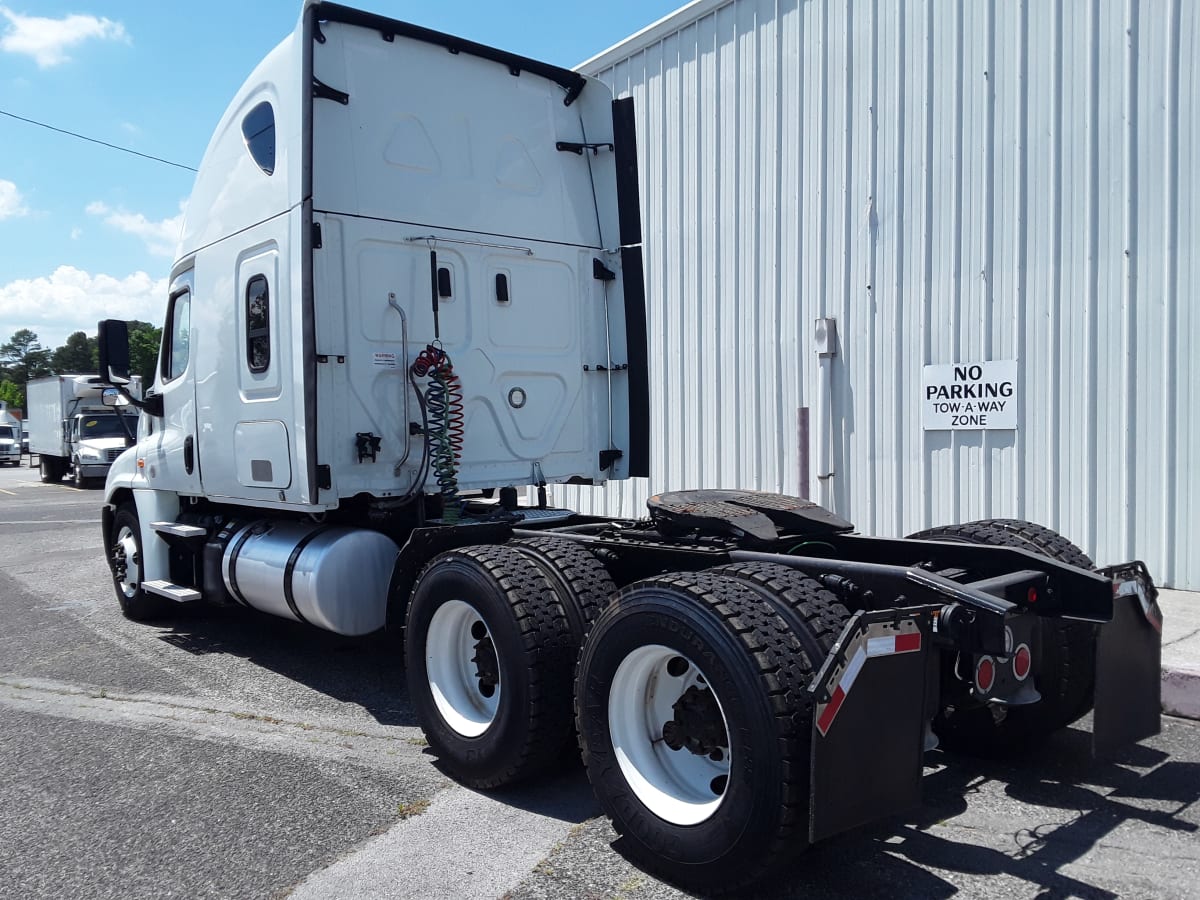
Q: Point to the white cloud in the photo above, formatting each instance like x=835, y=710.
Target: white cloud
x=47, y=40
x=159, y=237
x=12, y=204
x=76, y=233
x=73, y=300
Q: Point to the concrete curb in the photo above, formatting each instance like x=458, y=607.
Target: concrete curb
x=1181, y=691
x=1180, y=652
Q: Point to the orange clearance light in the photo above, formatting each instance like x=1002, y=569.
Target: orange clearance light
x=141, y=463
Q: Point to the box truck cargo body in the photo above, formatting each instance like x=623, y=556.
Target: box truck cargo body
x=71, y=429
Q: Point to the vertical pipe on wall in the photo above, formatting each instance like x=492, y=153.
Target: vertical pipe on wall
x=825, y=344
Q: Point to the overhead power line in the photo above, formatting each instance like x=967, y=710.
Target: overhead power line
x=84, y=137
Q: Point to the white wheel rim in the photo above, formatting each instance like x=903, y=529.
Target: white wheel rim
x=126, y=551
x=679, y=786
x=454, y=678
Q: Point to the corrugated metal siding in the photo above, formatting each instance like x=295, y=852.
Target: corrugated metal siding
x=953, y=183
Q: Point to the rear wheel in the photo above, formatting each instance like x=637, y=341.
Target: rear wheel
x=50, y=468
x=695, y=725
x=490, y=658
x=815, y=615
x=1066, y=663
x=581, y=582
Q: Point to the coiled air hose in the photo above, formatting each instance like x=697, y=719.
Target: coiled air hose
x=444, y=426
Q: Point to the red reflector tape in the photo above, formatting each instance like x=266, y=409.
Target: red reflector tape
x=897, y=643
x=908, y=643
x=877, y=646
x=843, y=688
x=835, y=703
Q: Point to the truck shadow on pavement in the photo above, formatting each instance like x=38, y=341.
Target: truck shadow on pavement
x=365, y=671
x=1074, y=802
x=1085, y=801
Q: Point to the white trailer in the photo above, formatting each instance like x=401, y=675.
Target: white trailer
x=409, y=285
x=73, y=431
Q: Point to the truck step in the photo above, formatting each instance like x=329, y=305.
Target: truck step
x=176, y=592
x=179, y=529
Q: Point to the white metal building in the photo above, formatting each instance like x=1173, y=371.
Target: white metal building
x=952, y=183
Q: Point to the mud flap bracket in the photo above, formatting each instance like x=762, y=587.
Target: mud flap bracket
x=869, y=720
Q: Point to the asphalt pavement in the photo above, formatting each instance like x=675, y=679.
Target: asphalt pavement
x=228, y=754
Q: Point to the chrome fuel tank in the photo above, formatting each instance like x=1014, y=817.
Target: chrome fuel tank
x=333, y=577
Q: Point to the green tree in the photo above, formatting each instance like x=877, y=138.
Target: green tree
x=12, y=394
x=144, y=339
x=78, y=354
x=22, y=358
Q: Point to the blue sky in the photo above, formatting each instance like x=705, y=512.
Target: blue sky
x=87, y=232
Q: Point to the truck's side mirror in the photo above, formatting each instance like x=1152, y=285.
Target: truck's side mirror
x=110, y=397
x=114, y=351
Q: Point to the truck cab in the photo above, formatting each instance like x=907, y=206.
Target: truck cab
x=10, y=438
x=96, y=437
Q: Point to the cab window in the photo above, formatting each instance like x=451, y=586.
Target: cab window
x=258, y=325
x=177, y=336
x=258, y=129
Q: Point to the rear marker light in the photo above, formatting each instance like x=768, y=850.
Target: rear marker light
x=985, y=674
x=1022, y=662
x=1031, y=595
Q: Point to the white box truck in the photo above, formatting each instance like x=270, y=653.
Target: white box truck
x=409, y=285
x=73, y=431
x=10, y=437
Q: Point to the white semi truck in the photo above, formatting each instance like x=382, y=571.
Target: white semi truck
x=73, y=431
x=409, y=293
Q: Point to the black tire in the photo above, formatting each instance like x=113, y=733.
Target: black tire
x=77, y=478
x=50, y=469
x=136, y=604
x=581, y=582
x=525, y=643
x=758, y=671
x=815, y=615
x=1066, y=655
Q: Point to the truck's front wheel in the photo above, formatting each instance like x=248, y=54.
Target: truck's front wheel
x=695, y=725
x=125, y=561
x=490, y=657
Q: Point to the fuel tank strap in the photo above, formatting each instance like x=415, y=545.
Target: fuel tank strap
x=233, y=558
x=290, y=568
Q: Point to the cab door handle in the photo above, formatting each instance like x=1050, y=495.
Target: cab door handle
x=189, y=454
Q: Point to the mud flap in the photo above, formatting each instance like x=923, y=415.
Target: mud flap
x=869, y=720
x=1128, y=703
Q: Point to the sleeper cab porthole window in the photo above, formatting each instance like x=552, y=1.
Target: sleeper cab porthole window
x=258, y=128
x=258, y=325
